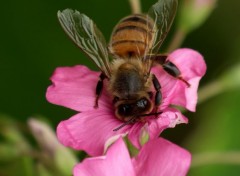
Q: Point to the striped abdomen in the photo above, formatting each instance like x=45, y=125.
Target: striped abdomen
x=132, y=36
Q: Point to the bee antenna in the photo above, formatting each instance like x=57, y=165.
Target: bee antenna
x=126, y=123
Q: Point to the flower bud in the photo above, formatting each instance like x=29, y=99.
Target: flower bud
x=194, y=12
x=61, y=157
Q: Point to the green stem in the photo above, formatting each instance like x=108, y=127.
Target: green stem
x=232, y=157
x=27, y=163
x=135, y=6
x=177, y=40
x=230, y=80
x=210, y=90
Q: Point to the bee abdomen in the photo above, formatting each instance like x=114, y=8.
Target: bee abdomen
x=132, y=36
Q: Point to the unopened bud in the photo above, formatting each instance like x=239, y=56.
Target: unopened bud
x=62, y=157
x=194, y=12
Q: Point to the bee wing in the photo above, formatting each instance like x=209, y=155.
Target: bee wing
x=85, y=34
x=162, y=13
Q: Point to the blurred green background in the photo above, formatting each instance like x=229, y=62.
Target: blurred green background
x=32, y=45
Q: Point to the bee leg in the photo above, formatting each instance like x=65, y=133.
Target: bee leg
x=158, y=95
x=99, y=88
x=158, y=59
x=150, y=94
x=115, y=100
x=168, y=66
x=172, y=69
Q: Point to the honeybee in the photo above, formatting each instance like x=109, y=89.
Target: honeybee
x=133, y=48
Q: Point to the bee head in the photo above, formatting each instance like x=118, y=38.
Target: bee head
x=126, y=109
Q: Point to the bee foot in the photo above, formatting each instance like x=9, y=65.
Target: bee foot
x=183, y=80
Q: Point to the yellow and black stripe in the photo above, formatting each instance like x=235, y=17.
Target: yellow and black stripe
x=132, y=36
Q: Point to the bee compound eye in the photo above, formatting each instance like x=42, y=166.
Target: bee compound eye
x=142, y=103
x=124, y=109
x=145, y=102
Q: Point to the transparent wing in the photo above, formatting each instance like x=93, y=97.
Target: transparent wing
x=85, y=34
x=162, y=13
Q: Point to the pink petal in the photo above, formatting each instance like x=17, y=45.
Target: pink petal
x=190, y=62
x=90, y=131
x=187, y=97
x=168, y=119
x=160, y=157
x=117, y=162
x=74, y=87
x=192, y=67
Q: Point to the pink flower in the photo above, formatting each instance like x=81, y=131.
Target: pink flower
x=158, y=157
x=91, y=130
